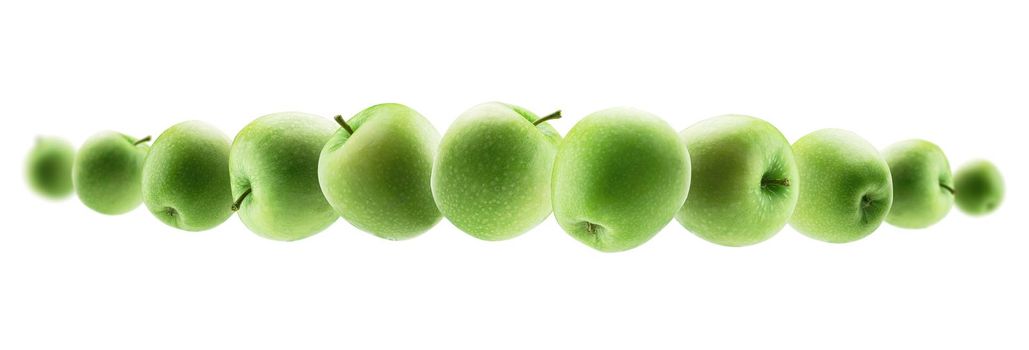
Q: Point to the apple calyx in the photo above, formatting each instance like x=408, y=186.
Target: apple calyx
x=145, y=139
x=239, y=202
x=948, y=188
x=777, y=182
x=343, y=123
x=551, y=116
x=591, y=228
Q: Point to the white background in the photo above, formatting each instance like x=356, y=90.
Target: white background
x=952, y=73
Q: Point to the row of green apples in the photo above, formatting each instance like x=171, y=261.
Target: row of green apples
x=617, y=178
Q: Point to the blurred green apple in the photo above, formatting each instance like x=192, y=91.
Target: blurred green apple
x=847, y=188
x=108, y=172
x=273, y=168
x=48, y=168
x=745, y=182
x=492, y=175
x=186, y=177
x=376, y=170
x=619, y=177
x=978, y=187
x=923, y=190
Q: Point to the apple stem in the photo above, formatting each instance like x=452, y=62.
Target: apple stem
x=239, y=202
x=780, y=182
x=145, y=139
x=552, y=116
x=948, y=188
x=343, y=123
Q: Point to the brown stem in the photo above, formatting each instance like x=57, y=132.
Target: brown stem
x=239, y=202
x=948, y=188
x=145, y=139
x=343, y=123
x=552, y=116
x=780, y=182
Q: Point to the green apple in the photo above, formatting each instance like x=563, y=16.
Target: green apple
x=847, y=188
x=375, y=171
x=108, y=172
x=48, y=168
x=923, y=190
x=492, y=175
x=978, y=187
x=745, y=182
x=273, y=168
x=186, y=177
x=619, y=177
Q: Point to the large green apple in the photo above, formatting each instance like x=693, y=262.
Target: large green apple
x=492, y=175
x=108, y=172
x=48, y=167
x=745, y=181
x=376, y=170
x=847, y=188
x=186, y=177
x=273, y=166
x=619, y=176
x=923, y=189
x=978, y=187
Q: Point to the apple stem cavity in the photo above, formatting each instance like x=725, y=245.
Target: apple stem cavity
x=343, y=123
x=948, y=188
x=551, y=116
x=145, y=139
x=776, y=182
x=239, y=202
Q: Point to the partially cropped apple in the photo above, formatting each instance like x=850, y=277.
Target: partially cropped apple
x=273, y=167
x=847, y=188
x=745, y=181
x=48, y=168
x=492, y=175
x=978, y=187
x=186, y=177
x=619, y=177
x=923, y=189
x=108, y=172
x=375, y=171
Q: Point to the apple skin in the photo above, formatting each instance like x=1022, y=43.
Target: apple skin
x=275, y=157
x=847, y=188
x=978, y=187
x=48, y=168
x=491, y=178
x=619, y=177
x=378, y=179
x=922, y=184
x=186, y=177
x=745, y=182
x=108, y=172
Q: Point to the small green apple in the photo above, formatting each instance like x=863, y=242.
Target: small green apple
x=745, y=182
x=375, y=171
x=108, y=172
x=619, y=177
x=847, y=188
x=273, y=167
x=186, y=177
x=923, y=189
x=48, y=168
x=978, y=187
x=492, y=175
